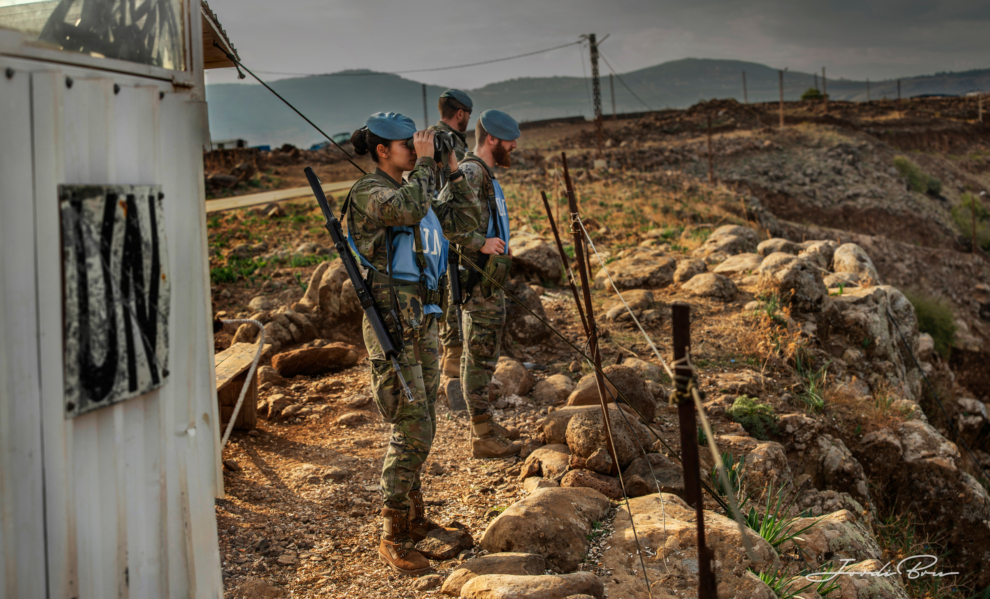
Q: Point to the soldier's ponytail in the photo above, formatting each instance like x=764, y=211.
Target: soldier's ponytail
x=364, y=141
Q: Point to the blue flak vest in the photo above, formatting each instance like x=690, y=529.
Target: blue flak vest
x=502, y=217
x=404, y=266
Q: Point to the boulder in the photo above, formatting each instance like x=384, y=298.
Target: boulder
x=653, y=473
x=260, y=304
x=301, y=329
x=511, y=378
x=600, y=462
x=555, y=424
x=711, y=285
x=549, y=461
x=728, y=240
x=874, y=587
x=606, y=485
x=521, y=326
x=853, y=259
x=272, y=408
x=919, y=468
x=795, y=280
x=246, y=333
x=267, y=374
x=820, y=253
x=833, y=537
x=445, y=543
x=622, y=380
x=688, y=268
x=832, y=466
x=277, y=335
x=552, y=522
x=777, y=244
x=533, y=483
x=311, y=299
x=534, y=258
x=553, y=389
x=338, y=302
x=504, y=586
x=315, y=360
x=739, y=263
x=645, y=370
x=516, y=564
x=585, y=393
x=668, y=526
x=586, y=434
x=650, y=269
x=841, y=280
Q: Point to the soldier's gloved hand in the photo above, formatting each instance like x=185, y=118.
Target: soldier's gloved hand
x=423, y=143
x=493, y=245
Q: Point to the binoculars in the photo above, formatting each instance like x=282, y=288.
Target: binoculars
x=443, y=143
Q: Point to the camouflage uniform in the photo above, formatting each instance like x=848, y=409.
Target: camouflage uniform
x=375, y=203
x=450, y=329
x=484, y=318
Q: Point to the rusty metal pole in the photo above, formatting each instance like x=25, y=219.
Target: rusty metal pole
x=589, y=311
x=681, y=320
x=711, y=168
x=566, y=263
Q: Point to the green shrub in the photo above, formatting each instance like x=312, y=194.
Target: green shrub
x=812, y=94
x=736, y=474
x=758, y=419
x=775, y=526
x=936, y=318
x=962, y=215
x=919, y=180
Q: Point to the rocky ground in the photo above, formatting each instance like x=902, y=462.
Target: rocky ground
x=793, y=262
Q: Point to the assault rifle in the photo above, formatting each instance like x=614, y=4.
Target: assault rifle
x=454, y=280
x=390, y=347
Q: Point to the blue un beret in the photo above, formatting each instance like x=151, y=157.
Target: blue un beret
x=391, y=125
x=460, y=96
x=499, y=125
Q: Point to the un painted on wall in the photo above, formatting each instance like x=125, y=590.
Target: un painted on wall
x=115, y=293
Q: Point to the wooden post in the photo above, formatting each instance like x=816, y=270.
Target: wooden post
x=566, y=262
x=711, y=168
x=611, y=88
x=589, y=311
x=745, y=95
x=781, y=74
x=426, y=115
x=898, y=90
x=681, y=324
x=825, y=90
x=867, y=90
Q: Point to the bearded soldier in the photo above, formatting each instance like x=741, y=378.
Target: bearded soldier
x=487, y=247
x=455, y=111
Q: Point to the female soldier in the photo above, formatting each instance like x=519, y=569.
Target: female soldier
x=398, y=231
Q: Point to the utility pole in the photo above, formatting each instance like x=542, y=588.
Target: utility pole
x=596, y=89
x=816, y=82
x=745, y=95
x=867, y=90
x=611, y=88
x=825, y=90
x=426, y=115
x=781, y=75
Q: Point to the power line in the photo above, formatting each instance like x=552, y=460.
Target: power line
x=447, y=68
x=619, y=77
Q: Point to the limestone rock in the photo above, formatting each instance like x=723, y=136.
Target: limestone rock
x=777, y=244
x=600, y=461
x=669, y=528
x=841, y=280
x=831, y=465
x=586, y=434
x=267, y=374
x=585, y=393
x=272, y=408
x=606, y=485
x=653, y=473
x=246, y=333
x=511, y=378
x=535, y=258
x=711, y=285
x=851, y=258
x=620, y=379
x=834, y=537
x=650, y=269
x=550, y=522
x=533, y=483
x=445, y=543
x=255, y=588
x=503, y=586
x=311, y=299
x=516, y=564
x=428, y=582
x=549, y=461
x=553, y=389
x=688, y=268
x=874, y=587
x=351, y=418
x=740, y=263
x=315, y=360
x=796, y=280
x=260, y=304
x=520, y=325
x=555, y=425
x=820, y=253
x=728, y=240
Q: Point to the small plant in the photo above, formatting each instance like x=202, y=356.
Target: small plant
x=702, y=437
x=776, y=527
x=735, y=471
x=936, y=318
x=811, y=94
x=782, y=585
x=758, y=419
x=917, y=179
x=825, y=586
x=814, y=385
x=962, y=215
x=596, y=531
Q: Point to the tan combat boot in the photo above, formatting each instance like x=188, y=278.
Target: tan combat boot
x=419, y=524
x=452, y=361
x=490, y=444
x=396, y=547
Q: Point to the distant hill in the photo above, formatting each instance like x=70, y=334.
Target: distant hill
x=342, y=101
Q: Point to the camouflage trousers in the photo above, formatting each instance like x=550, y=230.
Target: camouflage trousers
x=450, y=328
x=484, y=321
x=413, y=423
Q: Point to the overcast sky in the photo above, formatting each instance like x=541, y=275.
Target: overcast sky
x=852, y=38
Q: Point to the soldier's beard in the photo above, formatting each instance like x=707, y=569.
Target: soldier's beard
x=501, y=155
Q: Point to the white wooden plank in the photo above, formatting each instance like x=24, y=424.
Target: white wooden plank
x=60, y=514
x=22, y=549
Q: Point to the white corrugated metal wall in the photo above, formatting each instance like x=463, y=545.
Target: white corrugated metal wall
x=117, y=502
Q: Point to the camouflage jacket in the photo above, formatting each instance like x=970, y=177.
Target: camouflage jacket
x=479, y=177
x=460, y=141
x=377, y=202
